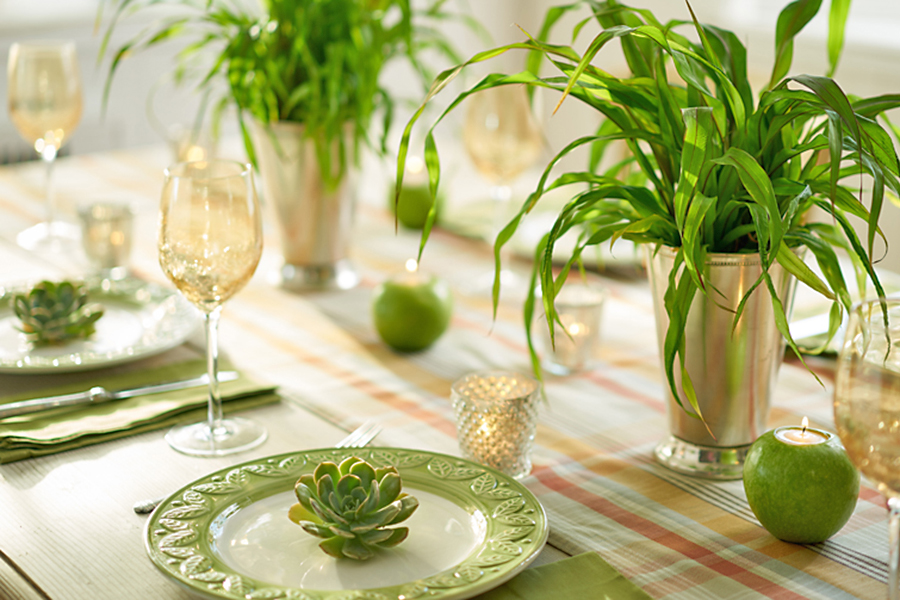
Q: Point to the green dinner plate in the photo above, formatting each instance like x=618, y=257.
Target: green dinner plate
x=140, y=319
x=227, y=535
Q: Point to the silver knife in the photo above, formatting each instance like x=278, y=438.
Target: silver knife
x=98, y=395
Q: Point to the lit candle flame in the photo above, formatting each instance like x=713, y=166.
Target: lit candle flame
x=804, y=423
x=194, y=153
x=415, y=165
x=412, y=265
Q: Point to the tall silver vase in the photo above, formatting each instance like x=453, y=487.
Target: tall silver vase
x=315, y=220
x=733, y=370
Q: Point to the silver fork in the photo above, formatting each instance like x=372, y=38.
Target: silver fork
x=357, y=438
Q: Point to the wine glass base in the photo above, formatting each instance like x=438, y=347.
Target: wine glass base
x=54, y=236
x=234, y=435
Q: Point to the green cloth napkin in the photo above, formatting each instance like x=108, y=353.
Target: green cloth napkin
x=60, y=429
x=583, y=576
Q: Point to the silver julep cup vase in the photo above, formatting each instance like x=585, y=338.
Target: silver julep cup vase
x=733, y=369
x=315, y=220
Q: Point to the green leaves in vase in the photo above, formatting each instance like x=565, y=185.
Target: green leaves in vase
x=316, y=62
x=705, y=166
x=54, y=313
x=352, y=506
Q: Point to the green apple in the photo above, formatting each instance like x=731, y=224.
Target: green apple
x=415, y=202
x=800, y=493
x=411, y=316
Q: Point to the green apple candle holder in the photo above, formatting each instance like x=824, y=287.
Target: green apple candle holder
x=800, y=483
x=414, y=202
x=412, y=310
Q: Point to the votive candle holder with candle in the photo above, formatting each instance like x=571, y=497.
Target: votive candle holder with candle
x=496, y=419
x=579, y=308
x=800, y=483
x=106, y=235
x=415, y=200
x=412, y=309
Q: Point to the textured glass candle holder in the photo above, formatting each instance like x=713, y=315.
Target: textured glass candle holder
x=579, y=307
x=496, y=417
x=106, y=234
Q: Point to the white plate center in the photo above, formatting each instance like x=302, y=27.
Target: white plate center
x=259, y=541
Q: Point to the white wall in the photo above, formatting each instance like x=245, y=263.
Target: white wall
x=869, y=66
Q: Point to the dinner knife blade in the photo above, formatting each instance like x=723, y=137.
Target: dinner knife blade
x=99, y=394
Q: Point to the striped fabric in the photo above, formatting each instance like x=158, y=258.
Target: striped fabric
x=674, y=536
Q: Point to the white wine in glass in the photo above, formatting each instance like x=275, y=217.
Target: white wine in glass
x=867, y=407
x=45, y=105
x=210, y=242
x=502, y=138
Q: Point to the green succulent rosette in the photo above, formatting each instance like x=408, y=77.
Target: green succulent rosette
x=352, y=506
x=54, y=313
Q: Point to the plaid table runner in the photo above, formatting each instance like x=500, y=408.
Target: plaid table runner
x=673, y=536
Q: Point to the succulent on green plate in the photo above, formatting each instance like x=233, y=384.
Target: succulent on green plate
x=53, y=313
x=352, y=506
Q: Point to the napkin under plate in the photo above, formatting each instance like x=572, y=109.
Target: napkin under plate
x=583, y=576
x=61, y=429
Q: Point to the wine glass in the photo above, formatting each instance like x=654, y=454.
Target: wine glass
x=45, y=106
x=867, y=407
x=210, y=242
x=502, y=137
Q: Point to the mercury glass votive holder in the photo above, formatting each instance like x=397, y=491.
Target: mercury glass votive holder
x=106, y=235
x=496, y=418
x=579, y=307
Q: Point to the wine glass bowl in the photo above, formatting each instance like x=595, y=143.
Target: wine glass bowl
x=502, y=137
x=501, y=134
x=867, y=406
x=45, y=106
x=210, y=243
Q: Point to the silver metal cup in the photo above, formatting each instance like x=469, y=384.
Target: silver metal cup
x=315, y=219
x=733, y=367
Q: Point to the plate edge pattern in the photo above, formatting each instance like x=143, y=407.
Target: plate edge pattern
x=516, y=525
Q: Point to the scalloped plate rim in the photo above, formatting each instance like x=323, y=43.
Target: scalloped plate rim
x=124, y=354
x=487, y=582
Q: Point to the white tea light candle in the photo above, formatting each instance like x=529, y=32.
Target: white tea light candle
x=801, y=436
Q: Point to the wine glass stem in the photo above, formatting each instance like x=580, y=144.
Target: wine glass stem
x=214, y=418
x=500, y=196
x=49, y=158
x=894, y=531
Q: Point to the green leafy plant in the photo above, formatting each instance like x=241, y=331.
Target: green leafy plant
x=316, y=62
x=719, y=170
x=54, y=313
x=352, y=506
